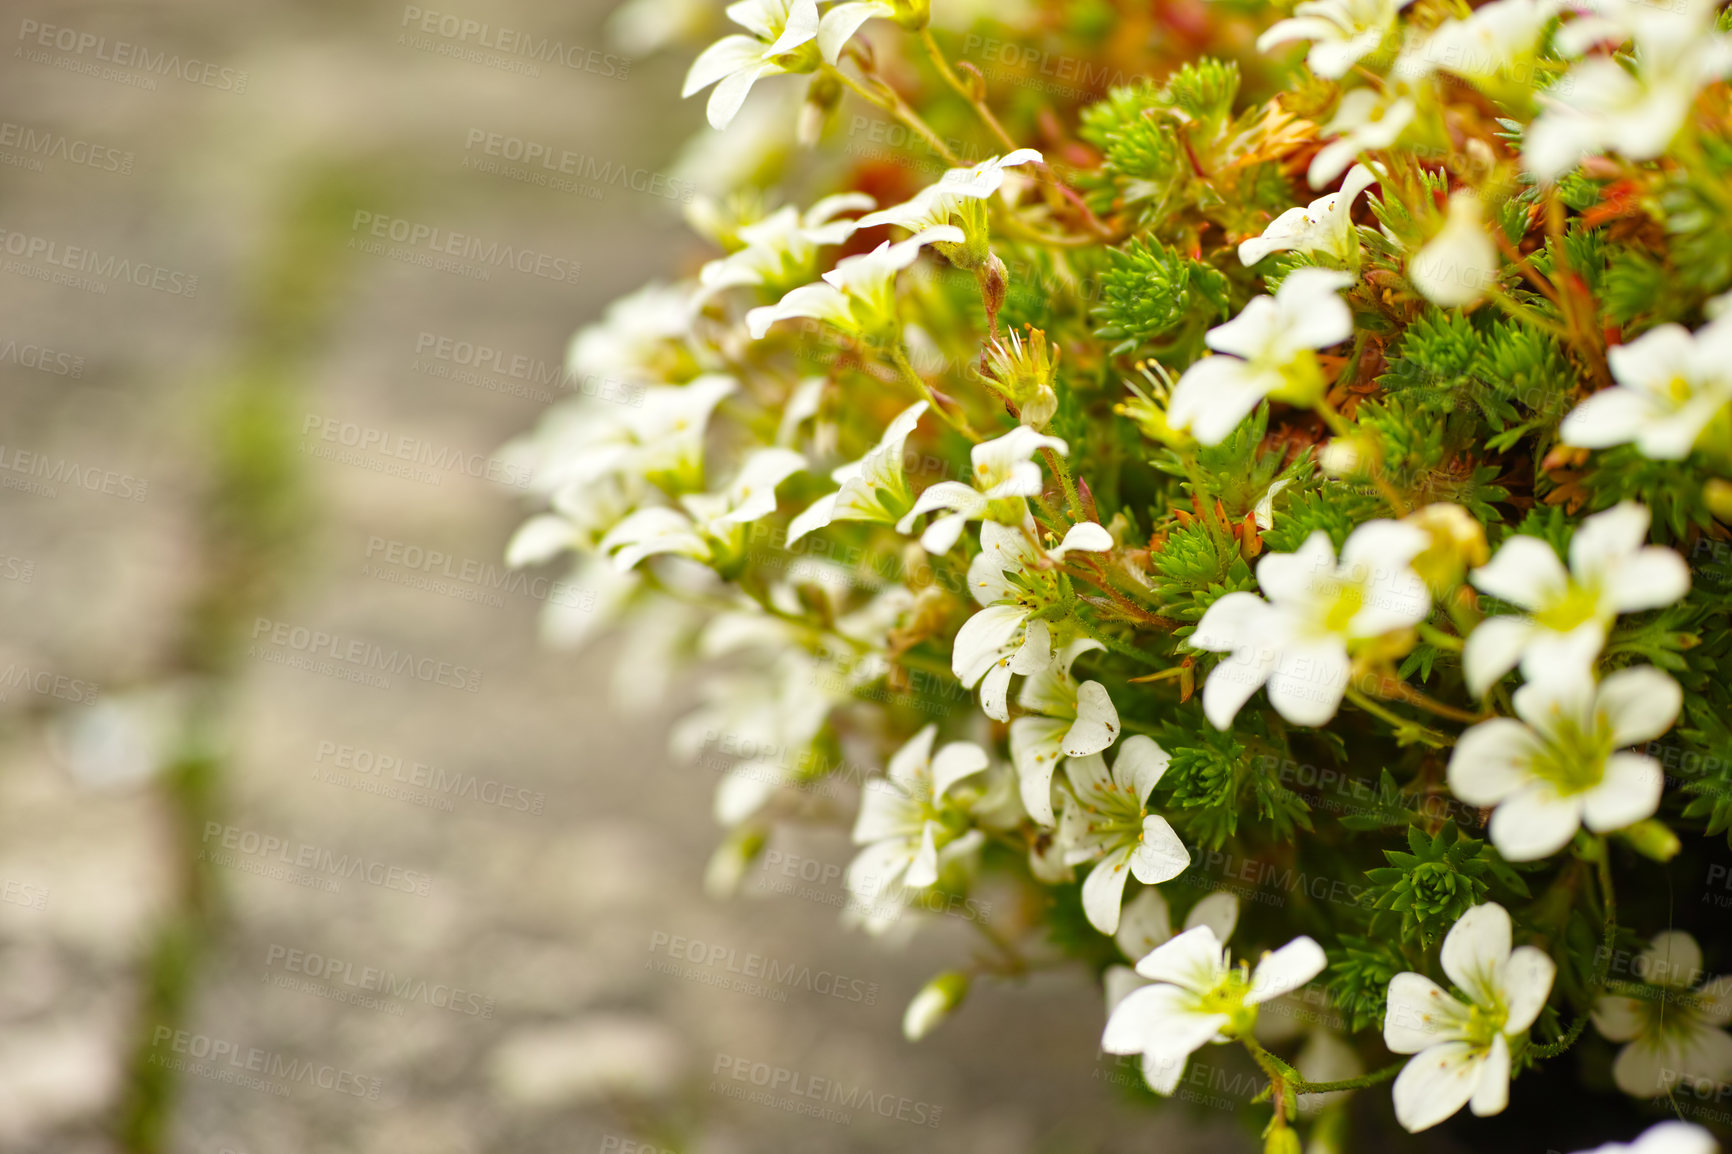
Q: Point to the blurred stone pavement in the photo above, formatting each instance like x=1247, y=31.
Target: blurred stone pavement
x=528, y=1004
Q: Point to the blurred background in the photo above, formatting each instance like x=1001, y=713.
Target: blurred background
x=306, y=842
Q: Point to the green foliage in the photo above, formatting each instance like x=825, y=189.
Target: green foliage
x=1359, y=973
x=1431, y=885
x=1152, y=291
x=1213, y=783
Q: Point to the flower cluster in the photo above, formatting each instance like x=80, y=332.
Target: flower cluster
x=1291, y=462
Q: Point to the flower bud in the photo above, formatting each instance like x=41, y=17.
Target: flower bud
x=1345, y=456
x=1457, y=545
x=731, y=860
x=934, y=1003
x=1652, y=839
x=1282, y=1140
x=1718, y=494
x=1022, y=372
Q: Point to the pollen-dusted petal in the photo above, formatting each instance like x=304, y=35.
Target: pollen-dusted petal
x=982, y=641
x=1159, y=856
x=1435, y=1084
x=1035, y=748
x=1418, y=1014
x=1089, y=777
x=1097, y=721
x=1140, y=765
x=909, y=763
x=1104, y=889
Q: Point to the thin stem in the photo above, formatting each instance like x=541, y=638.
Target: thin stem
x=905, y=368
x=891, y=101
x=963, y=89
x=1608, y=934
x=1406, y=729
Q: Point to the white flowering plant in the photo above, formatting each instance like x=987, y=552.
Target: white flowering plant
x=1278, y=481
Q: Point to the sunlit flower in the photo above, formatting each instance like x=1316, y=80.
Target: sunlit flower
x=1271, y=353
x=1671, y=384
x=874, y=488
x=1366, y=120
x=1004, y=475
x=1562, y=769
x=1325, y=225
x=635, y=340
x=1071, y=720
x=957, y=198
x=1462, y=1049
x=841, y=22
x=858, y=296
x=1013, y=580
x=783, y=246
x=1198, y=997
x=1342, y=32
x=1455, y=267
x=903, y=824
x=783, y=39
x=1300, y=641
x=707, y=526
x=1675, y=1036
x=1494, y=47
x=1105, y=820
x=1568, y=612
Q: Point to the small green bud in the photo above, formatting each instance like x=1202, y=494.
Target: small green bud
x=1282, y=1140
x=934, y=1003
x=1652, y=839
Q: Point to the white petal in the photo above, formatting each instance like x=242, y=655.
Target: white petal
x=1618, y=532
x=1475, y=950
x=1288, y=576
x=908, y=764
x=1534, y=823
x=954, y=762
x=841, y=22
x=1219, y=911
x=1629, y=793
x=1104, y=889
x=1418, y=1014
x=1097, y=721
x=1435, y=1085
x=1159, y=1020
x=1492, y=760
x=1524, y=572
x=1144, y=923
x=983, y=639
x=815, y=516
x=1612, y=416
x=1655, y=577
x=1160, y=856
x=1672, y=959
x=1285, y=970
x=1233, y=681
x=727, y=97
x=1035, y=749
x=1492, y=650
x=923, y=871
x=1088, y=776
x=1085, y=536
x=1619, y=1019
x=1491, y=1093
x=1195, y=960
x=723, y=58
x=1646, y=1068
x=1233, y=621
x=995, y=690
x=1309, y=680
x=538, y=539
x=1140, y=765
x=1527, y=983
x=1215, y=394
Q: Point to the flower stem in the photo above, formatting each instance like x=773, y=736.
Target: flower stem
x=905, y=368
x=891, y=101
x=1406, y=730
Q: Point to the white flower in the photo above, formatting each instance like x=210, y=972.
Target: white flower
x=1300, y=640
x=1148, y=923
x=1075, y=720
x=934, y=204
x=1462, y=1050
x=1325, y=225
x=1364, y=121
x=660, y=440
x=1004, y=474
x=1664, y=1138
x=1012, y=580
x=780, y=30
x=1568, y=612
x=873, y=488
x=1495, y=44
x=1671, y=383
x=631, y=343
x=1600, y=106
x=858, y=296
x=1666, y=26
x=708, y=526
x=1674, y=1035
x=1105, y=820
x=1562, y=769
x=1455, y=267
x=902, y=825
x=783, y=245
x=1197, y=998
x=1341, y=32
x=1271, y=343
x=936, y=1001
